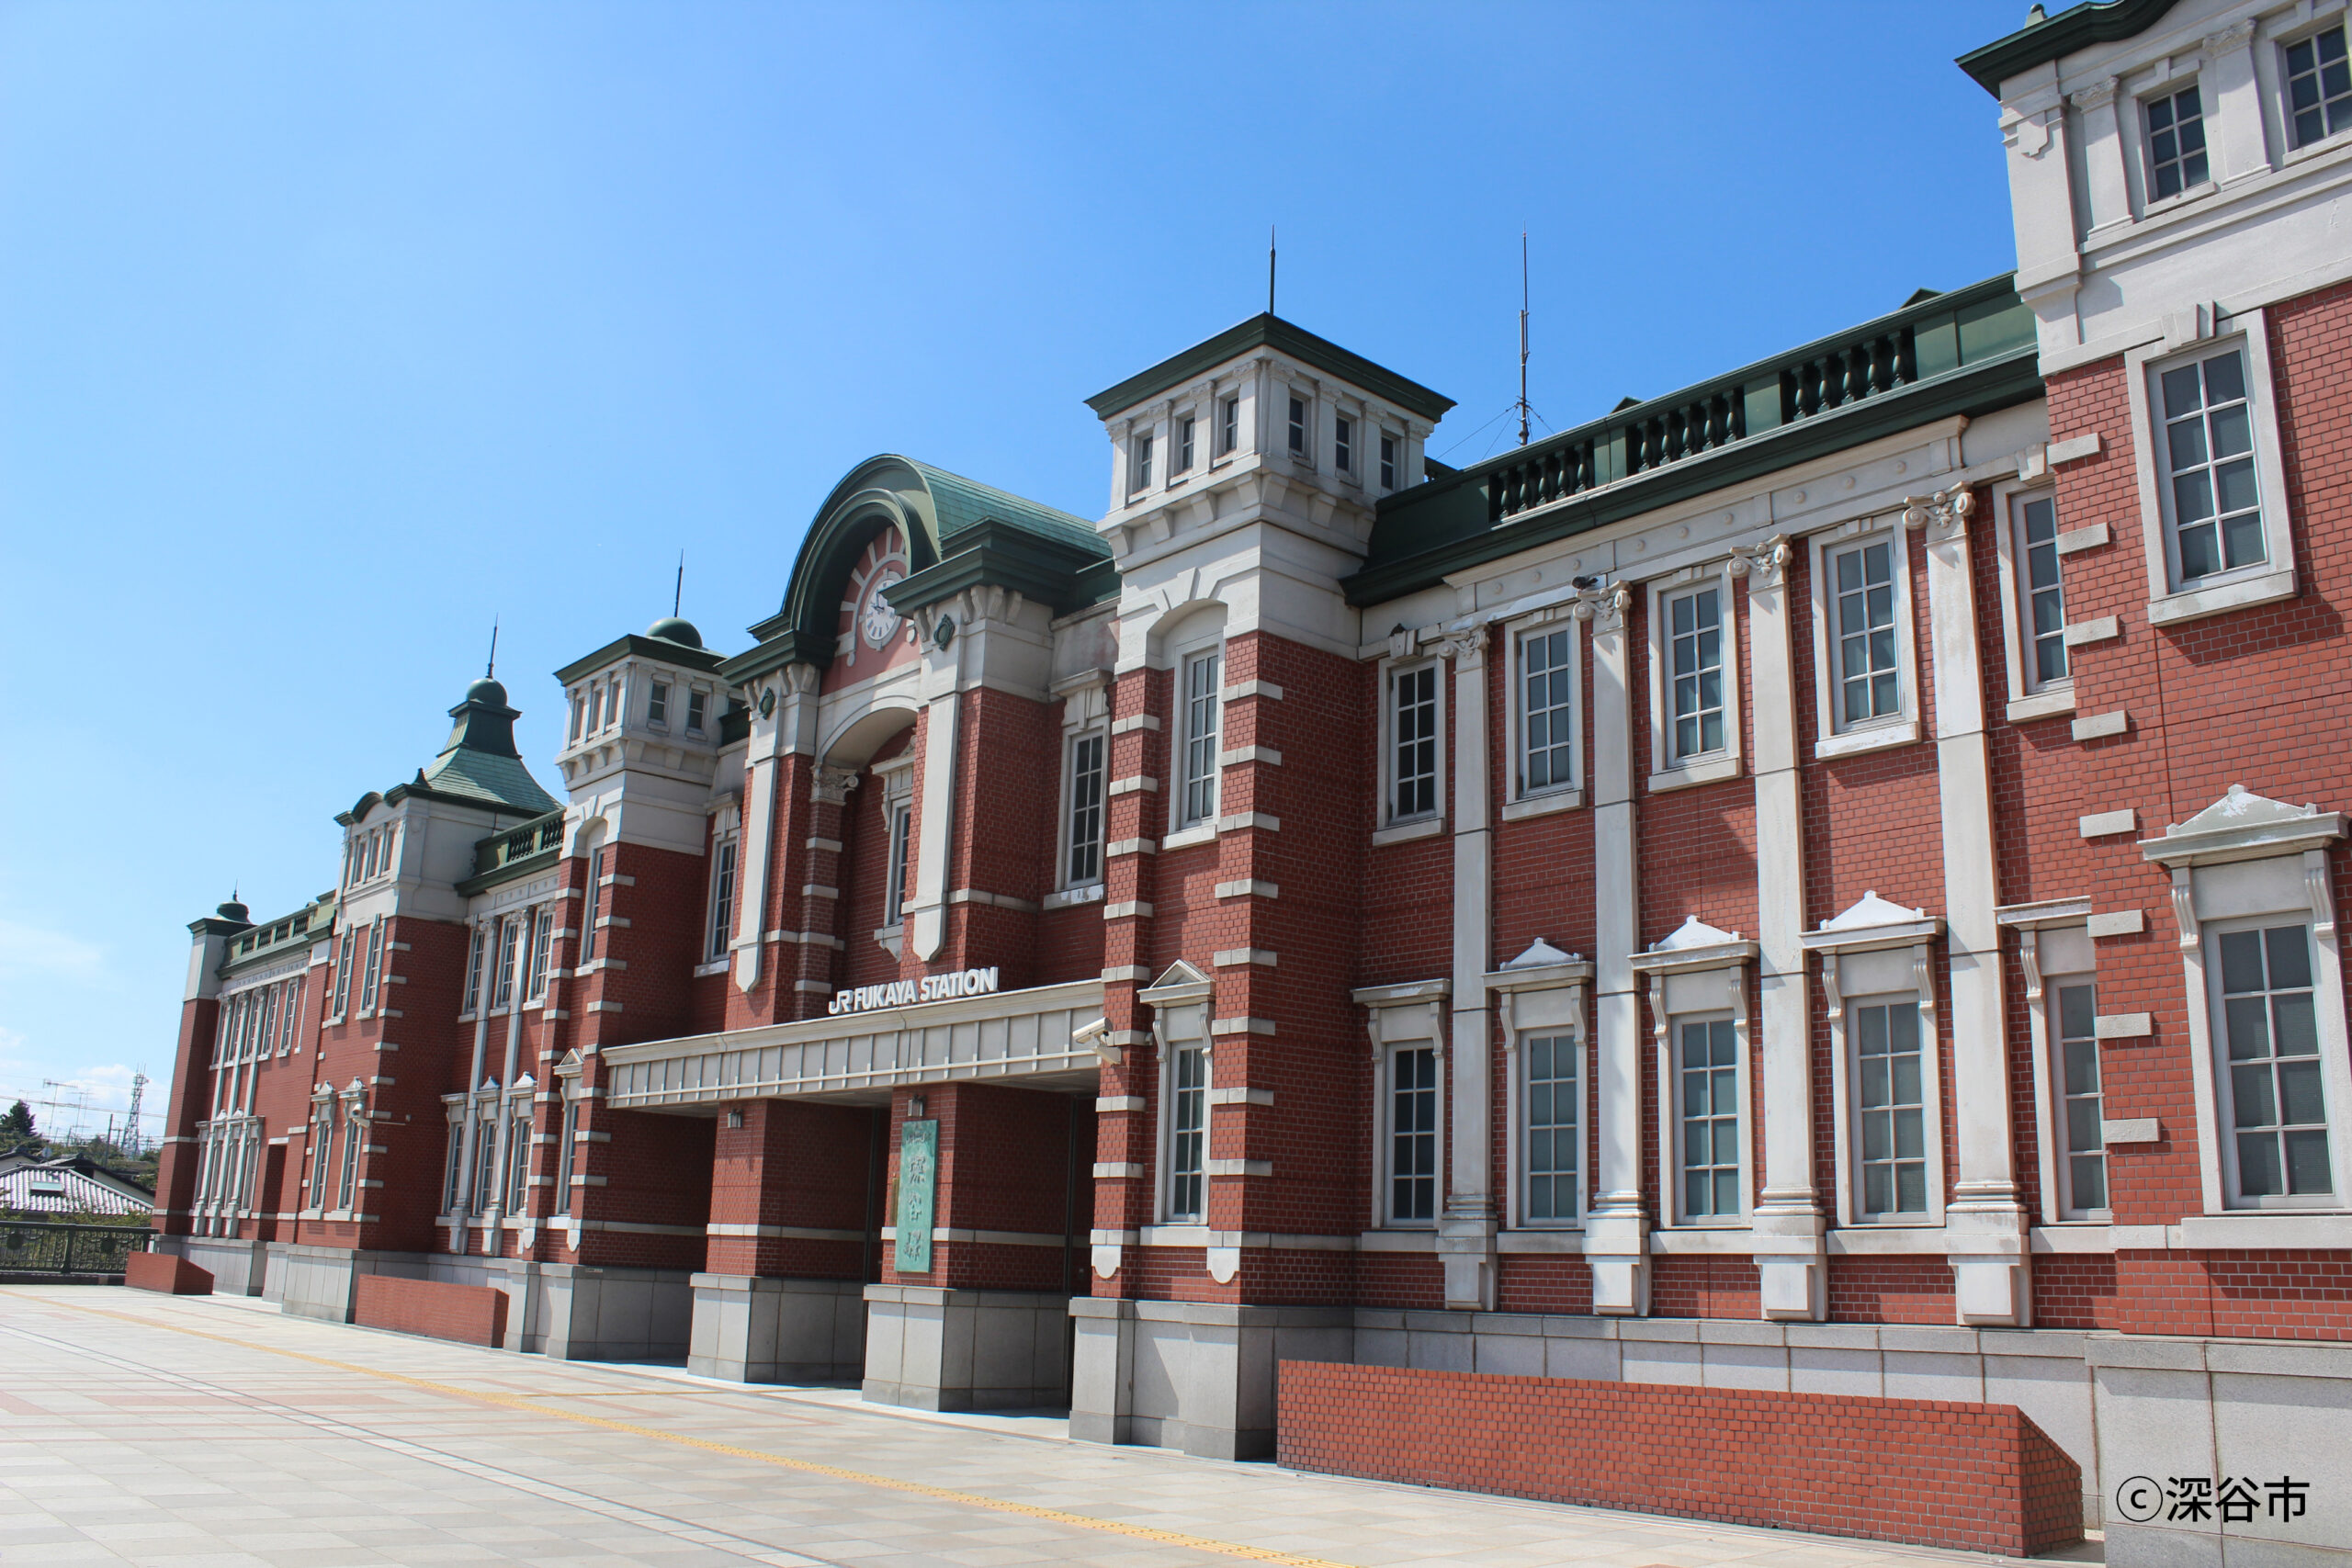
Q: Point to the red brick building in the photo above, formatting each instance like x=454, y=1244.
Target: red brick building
x=1823, y=882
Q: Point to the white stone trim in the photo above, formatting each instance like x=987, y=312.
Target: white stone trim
x=1547, y=999
x=1837, y=946
x=1668, y=771
x=2028, y=700
x=1410, y=1015
x=1699, y=973
x=1518, y=801
x=1832, y=739
x=2275, y=578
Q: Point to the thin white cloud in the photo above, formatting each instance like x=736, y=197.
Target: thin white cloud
x=28, y=952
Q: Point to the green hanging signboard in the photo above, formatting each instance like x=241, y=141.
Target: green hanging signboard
x=918, y=1176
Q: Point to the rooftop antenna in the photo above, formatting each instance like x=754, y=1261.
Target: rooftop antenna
x=1523, y=337
x=678, y=597
x=489, y=671
x=1270, y=269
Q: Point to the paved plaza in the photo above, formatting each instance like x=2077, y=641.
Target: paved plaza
x=161, y=1430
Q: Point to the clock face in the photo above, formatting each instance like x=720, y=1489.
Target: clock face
x=878, y=621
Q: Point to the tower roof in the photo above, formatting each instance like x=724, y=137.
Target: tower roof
x=1270, y=330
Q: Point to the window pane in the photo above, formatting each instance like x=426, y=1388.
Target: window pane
x=2241, y=961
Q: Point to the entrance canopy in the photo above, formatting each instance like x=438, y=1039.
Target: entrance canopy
x=1022, y=1036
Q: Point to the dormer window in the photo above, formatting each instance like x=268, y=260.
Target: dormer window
x=697, y=705
x=2175, y=142
x=1298, y=426
x=1343, y=441
x=1141, y=477
x=1183, y=464
x=657, y=706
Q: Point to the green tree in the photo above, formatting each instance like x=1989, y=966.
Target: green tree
x=16, y=1126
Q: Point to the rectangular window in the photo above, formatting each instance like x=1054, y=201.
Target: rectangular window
x=291, y=1029
x=518, y=1158
x=542, y=942
x=1388, y=460
x=1548, y=702
x=1183, y=464
x=2043, y=613
x=1298, y=427
x=2275, y=1106
x=2207, y=460
x=1695, y=664
x=485, y=1160
x=564, y=1156
x=596, y=707
x=343, y=977
x=1554, y=1141
x=322, y=1158
x=1412, y=1135
x=1707, y=1067
x=613, y=703
x=2082, y=1164
x=1188, y=1133
x=595, y=905
x=455, y=1172
x=1343, y=440
x=1891, y=1101
x=1868, y=681
x=367, y=866
x=578, y=715
x=510, y=939
x=268, y=1030
x=657, y=705
x=1197, y=796
x=1141, y=477
x=722, y=901
x=1085, y=839
x=2175, y=142
x=473, y=969
x=697, y=705
x=347, y=1186
x=1228, y=431
x=2319, y=87
x=1413, y=738
x=367, y=985
x=894, y=889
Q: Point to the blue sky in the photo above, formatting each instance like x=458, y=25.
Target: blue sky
x=328, y=333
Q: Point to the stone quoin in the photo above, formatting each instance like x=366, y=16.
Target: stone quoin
x=1823, y=882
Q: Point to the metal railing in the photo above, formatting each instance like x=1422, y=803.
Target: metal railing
x=45, y=1247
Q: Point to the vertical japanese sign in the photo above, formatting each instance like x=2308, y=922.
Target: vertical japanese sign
x=918, y=1174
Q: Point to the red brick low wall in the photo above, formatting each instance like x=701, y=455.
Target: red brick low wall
x=473, y=1314
x=1977, y=1477
x=167, y=1273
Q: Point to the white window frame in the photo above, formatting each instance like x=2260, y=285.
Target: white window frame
x=371, y=977
x=541, y=938
x=1181, y=661
x=698, y=721
x=1302, y=450
x=477, y=965
x=1543, y=999
x=1385, y=1154
x=2207, y=107
x=1710, y=988
x=2168, y=602
x=1408, y=1017
x=1667, y=770
x=657, y=706
x=2285, y=109
x=896, y=776
x=1393, y=826
x=2029, y=699
x=2331, y=1048
x=1066, y=839
x=719, y=911
x=1228, y=425
x=1180, y=1000
x=1832, y=738
x=1183, y=443
x=2249, y=861
x=1390, y=456
x=1347, y=431
x=347, y=1182
x=2055, y=948
x=1870, y=965
x=1142, y=447
x=566, y=1148
x=453, y=1170
x=1519, y=800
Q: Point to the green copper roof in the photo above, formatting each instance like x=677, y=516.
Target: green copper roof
x=2053, y=37
x=493, y=780
x=477, y=764
x=941, y=515
x=1271, y=331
